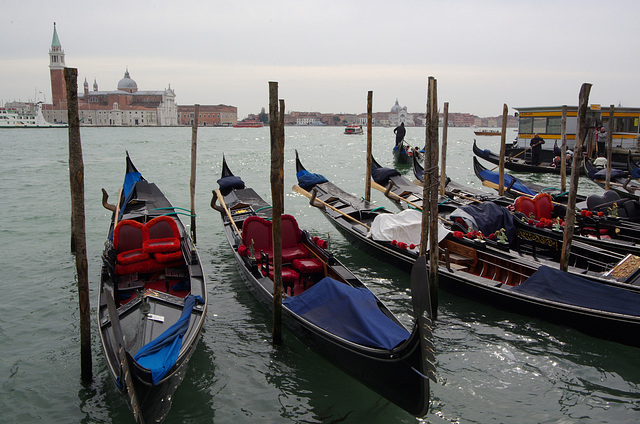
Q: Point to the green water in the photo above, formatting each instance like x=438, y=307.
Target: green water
x=493, y=367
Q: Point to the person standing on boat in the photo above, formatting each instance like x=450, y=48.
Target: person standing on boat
x=400, y=132
x=602, y=139
x=536, y=147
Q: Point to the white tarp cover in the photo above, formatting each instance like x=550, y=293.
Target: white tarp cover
x=405, y=226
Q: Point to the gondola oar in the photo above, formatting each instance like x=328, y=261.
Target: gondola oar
x=387, y=193
x=125, y=372
x=304, y=192
x=224, y=205
x=515, y=156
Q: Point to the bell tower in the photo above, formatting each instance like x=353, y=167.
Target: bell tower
x=56, y=69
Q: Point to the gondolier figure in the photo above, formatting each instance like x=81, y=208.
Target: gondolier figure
x=602, y=139
x=400, y=132
x=536, y=147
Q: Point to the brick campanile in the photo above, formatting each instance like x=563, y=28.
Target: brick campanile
x=56, y=69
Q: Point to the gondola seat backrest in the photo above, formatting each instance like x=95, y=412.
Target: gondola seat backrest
x=161, y=235
x=526, y=206
x=257, y=230
x=292, y=247
x=544, y=205
x=127, y=241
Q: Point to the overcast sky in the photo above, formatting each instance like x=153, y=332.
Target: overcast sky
x=326, y=55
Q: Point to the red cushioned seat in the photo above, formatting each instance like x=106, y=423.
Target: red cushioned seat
x=292, y=247
x=161, y=234
x=544, y=205
x=307, y=265
x=526, y=206
x=257, y=230
x=127, y=241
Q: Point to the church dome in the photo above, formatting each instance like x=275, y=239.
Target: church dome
x=396, y=108
x=127, y=84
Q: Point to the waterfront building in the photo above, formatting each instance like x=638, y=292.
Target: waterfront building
x=208, y=115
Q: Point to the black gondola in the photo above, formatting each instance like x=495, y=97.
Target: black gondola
x=514, y=187
x=385, y=356
x=402, y=153
x=473, y=269
x=518, y=163
x=152, y=298
x=620, y=180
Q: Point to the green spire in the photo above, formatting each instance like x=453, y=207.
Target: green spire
x=56, y=41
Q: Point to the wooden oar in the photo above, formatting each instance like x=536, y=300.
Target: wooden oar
x=117, y=211
x=304, y=192
x=224, y=205
x=386, y=193
x=513, y=157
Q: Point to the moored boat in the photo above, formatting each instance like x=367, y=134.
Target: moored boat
x=12, y=118
x=621, y=181
x=248, y=124
x=325, y=305
x=487, y=132
x=152, y=298
x=473, y=268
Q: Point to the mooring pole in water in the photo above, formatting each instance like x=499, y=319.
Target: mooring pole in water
x=429, y=239
x=443, y=155
x=563, y=150
x=194, y=154
x=78, y=230
x=609, y=145
x=570, y=219
x=503, y=148
x=367, y=178
x=276, y=124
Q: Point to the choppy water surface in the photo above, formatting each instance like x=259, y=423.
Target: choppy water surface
x=493, y=367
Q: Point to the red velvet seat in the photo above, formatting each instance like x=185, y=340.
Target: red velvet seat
x=544, y=205
x=161, y=235
x=257, y=230
x=527, y=206
x=128, y=240
x=292, y=247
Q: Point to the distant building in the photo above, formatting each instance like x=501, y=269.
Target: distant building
x=209, y=115
x=126, y=105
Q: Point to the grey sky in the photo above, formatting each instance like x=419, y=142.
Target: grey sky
x=326, y=55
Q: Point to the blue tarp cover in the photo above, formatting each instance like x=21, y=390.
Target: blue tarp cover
x=348, y=312
x=307, y=180
x=636, y=173
x=553, y=284
x=130, y=180
x=382, y=175
x=229, y=183
x=160, y=354
x=494, y=177
x=490, y=218
x=615, y=173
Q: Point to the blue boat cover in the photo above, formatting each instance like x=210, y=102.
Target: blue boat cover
x=382, y=175
x=490, y=218
x=615, y=173
x=229, y=183
x=494, y=177
x=348, y=312
x=635, y=173
x=130, y=180
x=160, y=354
x=555, y=285
x=307, y=180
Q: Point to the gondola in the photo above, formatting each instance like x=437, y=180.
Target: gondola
x=620, y=180
x=518, y=163
x=402, y=153
x=514, y=187
x=360, y=336
x=152, y=297
x=604, y=308
x=456, y=190
x=406, y=194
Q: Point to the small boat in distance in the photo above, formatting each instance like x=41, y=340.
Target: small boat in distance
x=353, y=129
x=249, y=124
x=13, y=118
x=487, y=132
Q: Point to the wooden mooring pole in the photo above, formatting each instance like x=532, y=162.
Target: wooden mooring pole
x=443, y=156
x=276, y=123
x=563, y=150
x=581, y=132
x=367, y=178
x=503, y=148
x=429, y=239
x=78, y=230
x=194, y=155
